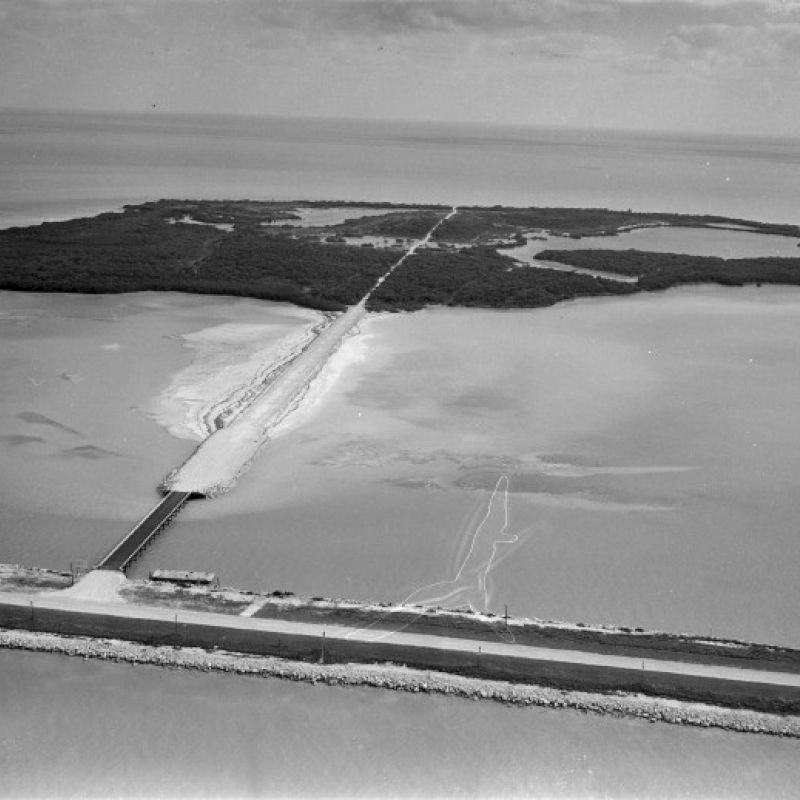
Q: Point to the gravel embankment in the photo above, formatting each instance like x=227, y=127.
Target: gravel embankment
x=403, y=679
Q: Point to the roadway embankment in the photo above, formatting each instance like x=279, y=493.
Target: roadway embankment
x=403, y=679
x=767, y=690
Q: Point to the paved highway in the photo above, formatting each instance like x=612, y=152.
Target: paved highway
x=403, y=643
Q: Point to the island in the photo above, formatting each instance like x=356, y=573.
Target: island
x=329, y=255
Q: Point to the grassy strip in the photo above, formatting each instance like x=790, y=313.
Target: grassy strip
x=189, y=599
x=465, y=625
x=16, y=578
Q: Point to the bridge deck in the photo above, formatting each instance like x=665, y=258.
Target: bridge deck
x=124, y=552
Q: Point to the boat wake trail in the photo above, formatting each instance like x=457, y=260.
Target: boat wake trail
x=487, y=546
x=468, y=588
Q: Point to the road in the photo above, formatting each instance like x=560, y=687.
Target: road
x=400, y=647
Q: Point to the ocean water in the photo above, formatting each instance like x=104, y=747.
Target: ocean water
x=649, y=444
x=57, y=165
x=114, y=730
x=692, y=241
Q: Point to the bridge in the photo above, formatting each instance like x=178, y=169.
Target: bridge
x=126, y=551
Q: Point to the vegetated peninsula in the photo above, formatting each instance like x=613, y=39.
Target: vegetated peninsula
x=328, y=255
x=661, y=270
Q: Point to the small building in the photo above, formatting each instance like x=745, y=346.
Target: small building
x=182, y=577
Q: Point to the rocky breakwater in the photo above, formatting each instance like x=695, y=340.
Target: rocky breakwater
x=397, y=678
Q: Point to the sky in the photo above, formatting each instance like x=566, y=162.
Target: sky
x=717, y=66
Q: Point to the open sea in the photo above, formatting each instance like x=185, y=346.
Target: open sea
x=59, y=165
x=650, y=444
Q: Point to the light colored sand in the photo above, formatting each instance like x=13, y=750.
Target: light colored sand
x=220, y=459
x=187, y=220
x=216, y=464
x=352, y=352
x=232, y=364
x=99, y=585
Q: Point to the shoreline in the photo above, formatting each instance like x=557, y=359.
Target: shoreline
x=405, y=679
x=660, y=677
x=210, y=392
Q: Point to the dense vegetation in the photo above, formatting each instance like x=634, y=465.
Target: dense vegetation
x=277, y=267
x=662, y=270
x=140, y=250
x=159, y=246
x=395, y=225
x=480, y=276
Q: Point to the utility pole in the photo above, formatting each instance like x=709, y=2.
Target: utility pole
x=506, y=616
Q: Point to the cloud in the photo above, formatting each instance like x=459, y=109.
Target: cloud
x=571, y=45
x=787, y=36
x=342, y=20
x=694, y=41
x=723, y=46
x=49, y=20
x=387, y=17
x=589, y=61
x=398, y=16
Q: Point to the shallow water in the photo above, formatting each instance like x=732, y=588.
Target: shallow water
x=311, y=217
x=649, y=443
x=104, y=730
x=80, y=454
x=692, y=241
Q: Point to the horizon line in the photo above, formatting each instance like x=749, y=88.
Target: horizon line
x=352, y=120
